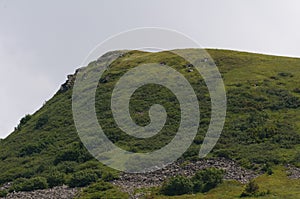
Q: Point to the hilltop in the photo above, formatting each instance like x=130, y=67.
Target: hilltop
x=261, y=132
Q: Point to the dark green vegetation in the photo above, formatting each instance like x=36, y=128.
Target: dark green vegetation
x=23, y=184
x=203, y=181
x=262, y=123
x=252, y=190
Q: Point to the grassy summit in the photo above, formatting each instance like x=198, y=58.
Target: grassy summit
x=262, y=124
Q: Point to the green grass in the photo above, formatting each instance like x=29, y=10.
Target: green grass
x=262, y=123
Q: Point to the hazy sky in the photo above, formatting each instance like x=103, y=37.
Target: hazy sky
x=43, y=41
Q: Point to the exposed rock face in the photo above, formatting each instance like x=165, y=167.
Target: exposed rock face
x=70, y=81
x=129, y=182
x=102, y=60
x=62, y=192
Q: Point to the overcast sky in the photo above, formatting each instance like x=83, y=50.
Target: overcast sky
x=43, y=41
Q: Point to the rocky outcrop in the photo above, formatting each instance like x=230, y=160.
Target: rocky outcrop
x=107, y=57
x=70, y=81
x=62, y=192
x=129, y=182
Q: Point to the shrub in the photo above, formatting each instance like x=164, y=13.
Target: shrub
x=67, y=167
x=24, y=184
x=207, y=179
x=285, y=74
x=102, y=190
x=270, y=171
x=296, y=159
x=18, y=184
x=3, y=193
x=75, y=152
x=178, y=185
x=41, y=122
x=23, y=121
x=39, y=183
x=55, y=178
x=100, y=186
x=223, y=153
x=251, y=189
x=202, y=181
x=296, y=90
x=108, y=176
x=82, y=178
x=66, y=155
x=267, y=169
x=31, y=149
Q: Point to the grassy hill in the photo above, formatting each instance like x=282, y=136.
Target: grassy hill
x=262, y=125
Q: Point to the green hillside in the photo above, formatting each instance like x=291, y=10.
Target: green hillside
x=262, y=124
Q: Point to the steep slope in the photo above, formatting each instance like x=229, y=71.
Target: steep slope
x=262, y=123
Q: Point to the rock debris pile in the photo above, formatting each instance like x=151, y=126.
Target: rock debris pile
x=129, y=182
x=62, y=192
x=293, y=172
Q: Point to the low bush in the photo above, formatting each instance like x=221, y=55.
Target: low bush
x=3, y=193
x=296, y=90
x=24, y=184
x=207, y=179
x=67, y=167
x=100, y=190
x=41, y=122
x=31, y=149
x=82, y=178
x=55, y=178
x=267, y=169
x=74, y=152
x=252, y=190
x=202, y=181
x=178, y=185
x=66, y=155
x=296, y=159
x=23, y=121
x=108, y=176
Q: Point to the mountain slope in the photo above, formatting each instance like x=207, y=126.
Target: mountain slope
x=262, y=124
